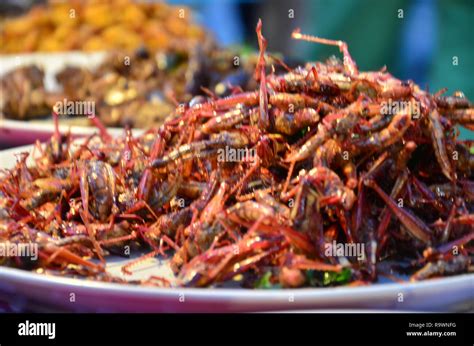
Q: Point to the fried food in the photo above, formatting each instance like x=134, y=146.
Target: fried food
x=101, y=25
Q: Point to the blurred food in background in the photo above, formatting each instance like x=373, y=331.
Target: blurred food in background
x=23, y=93
x=138, y=89
x=100, y=25
x=157, y=57
x=144, y=92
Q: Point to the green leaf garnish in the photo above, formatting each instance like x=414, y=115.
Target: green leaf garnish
x=343, y=277
x=264, y=281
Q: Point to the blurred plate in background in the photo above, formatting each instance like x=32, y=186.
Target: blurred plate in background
x=15, y=132
x=51, y=63
x=22, y=132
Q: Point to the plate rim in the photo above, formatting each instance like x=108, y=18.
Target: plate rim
x=380, y=288
x=48, y=127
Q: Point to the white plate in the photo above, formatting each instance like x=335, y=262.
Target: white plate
x=444, y=294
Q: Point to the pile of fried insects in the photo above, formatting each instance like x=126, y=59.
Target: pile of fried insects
x=255, y=187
